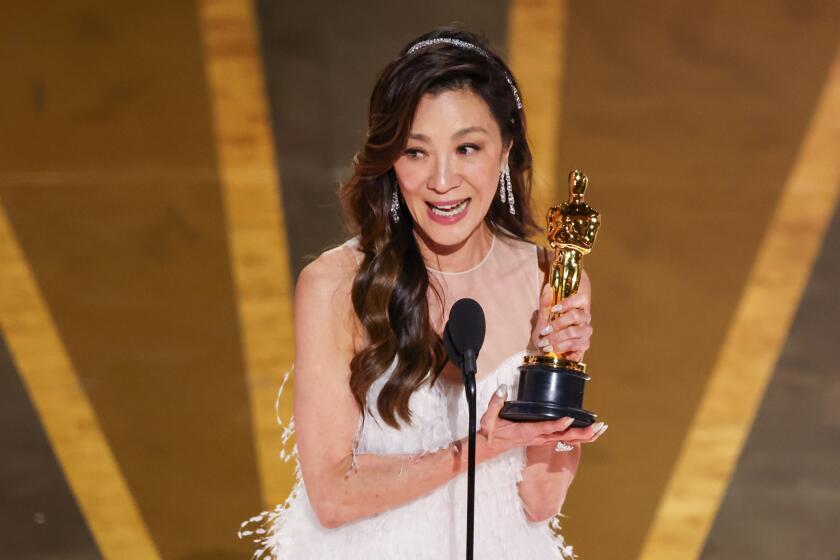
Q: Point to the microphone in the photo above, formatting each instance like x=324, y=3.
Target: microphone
x=462, y=338
x=464, y=334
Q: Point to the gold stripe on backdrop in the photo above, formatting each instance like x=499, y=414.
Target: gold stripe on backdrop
x=255, y=225
x=755, y=338
x=64, y=410
x=536, y=30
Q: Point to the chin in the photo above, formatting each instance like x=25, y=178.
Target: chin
x=451, y=236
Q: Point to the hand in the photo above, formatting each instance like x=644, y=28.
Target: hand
x=503, y=434
x=569, y=334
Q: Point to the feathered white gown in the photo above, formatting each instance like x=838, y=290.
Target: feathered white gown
x=506, y=284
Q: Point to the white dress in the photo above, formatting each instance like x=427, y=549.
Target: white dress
x=506, y=284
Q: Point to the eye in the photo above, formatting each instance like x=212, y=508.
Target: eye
x=413, y=153
x=468, y=148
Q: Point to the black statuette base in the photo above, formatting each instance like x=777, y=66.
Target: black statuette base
x=548, y=393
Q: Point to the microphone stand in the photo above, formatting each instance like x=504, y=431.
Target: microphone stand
x=469, y=370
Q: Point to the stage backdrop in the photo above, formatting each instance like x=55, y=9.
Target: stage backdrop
x=167, y=169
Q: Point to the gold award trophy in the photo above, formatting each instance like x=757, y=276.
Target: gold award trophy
x=551, y=386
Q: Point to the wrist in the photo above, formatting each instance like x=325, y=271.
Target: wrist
x=483, y=452
x=546, y=454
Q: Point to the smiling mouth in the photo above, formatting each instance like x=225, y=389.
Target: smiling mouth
x=449, y=210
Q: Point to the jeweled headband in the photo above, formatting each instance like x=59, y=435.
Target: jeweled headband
x=468, y=46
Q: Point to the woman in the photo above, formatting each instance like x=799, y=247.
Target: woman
x=439, y=203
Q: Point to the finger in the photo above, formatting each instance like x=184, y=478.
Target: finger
x=545, y=440
x=579, y=300
x=545, y=303
x=576, y=320
x=592, y=438
x=533, y=430
x=582, y=333
x=594, y=429
x=545, y=299
x=541, y=326
x=574, y=356
x=572, y=317
x=574, y=331
x=552, y=428
x=562, y=424
x=578, y=345
x=584, y=433
x=494, y=407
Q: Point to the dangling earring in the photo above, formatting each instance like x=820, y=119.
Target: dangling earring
x=395, y=204
x=502, y=186
x=506, y=184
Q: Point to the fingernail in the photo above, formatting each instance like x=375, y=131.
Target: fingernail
x=569, y=422
x=502, y=391
x=548, y=329
x=557, y=308
x=543, y=342
x=548, y=348
x=604, y=429
x=597, y=427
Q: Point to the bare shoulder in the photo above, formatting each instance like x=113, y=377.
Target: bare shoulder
x=324, y=288
x=330, y=272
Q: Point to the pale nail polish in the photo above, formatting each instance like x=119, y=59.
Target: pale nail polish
x=597, y=427
x=558, y=308
x=543, y=342
x=604, y=429
x=547, y=330
x=548, y=349
x=502, y=391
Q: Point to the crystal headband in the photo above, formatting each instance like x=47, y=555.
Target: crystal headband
x=469, y=46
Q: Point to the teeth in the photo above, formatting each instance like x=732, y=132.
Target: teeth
x=450, y=210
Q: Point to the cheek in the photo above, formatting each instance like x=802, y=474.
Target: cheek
x=410, y=177
x=486, y=181
x=408, y=182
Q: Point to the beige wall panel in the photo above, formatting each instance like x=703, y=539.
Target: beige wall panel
x=255, y=225
x=754, y=339
x=687, y=122
x=108, y=175
x=537, y=56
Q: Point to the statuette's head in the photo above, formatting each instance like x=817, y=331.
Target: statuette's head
x=577, y=184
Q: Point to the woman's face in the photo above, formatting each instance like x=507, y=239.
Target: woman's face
x=449, y=170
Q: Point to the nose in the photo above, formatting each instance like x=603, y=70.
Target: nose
x=445, y=176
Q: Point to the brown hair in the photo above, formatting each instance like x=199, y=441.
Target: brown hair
x=390, y=289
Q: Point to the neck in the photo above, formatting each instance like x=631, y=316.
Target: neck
x=456, y=258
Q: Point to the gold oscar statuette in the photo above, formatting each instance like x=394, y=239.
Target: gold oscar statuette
x=551, y=386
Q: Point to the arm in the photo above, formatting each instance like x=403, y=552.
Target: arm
x=546, y=479
x=548, y=474
x=326, y=415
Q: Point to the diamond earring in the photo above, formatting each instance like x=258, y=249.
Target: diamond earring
x=505, y=184
x=395, y=204
x=502, y=185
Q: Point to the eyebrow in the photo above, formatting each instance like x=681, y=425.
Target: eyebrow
x=462, y=132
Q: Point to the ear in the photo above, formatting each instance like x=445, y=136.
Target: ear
x=506, y=153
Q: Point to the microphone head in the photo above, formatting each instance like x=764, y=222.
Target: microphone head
x=453, y=355
x=465, y=329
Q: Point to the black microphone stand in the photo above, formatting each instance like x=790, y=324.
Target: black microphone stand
x=469, y=387
x=462, y=338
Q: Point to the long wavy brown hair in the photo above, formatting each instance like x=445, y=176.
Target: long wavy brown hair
x=391, y=287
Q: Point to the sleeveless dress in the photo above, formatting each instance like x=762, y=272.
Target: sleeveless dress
x=507, y=284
